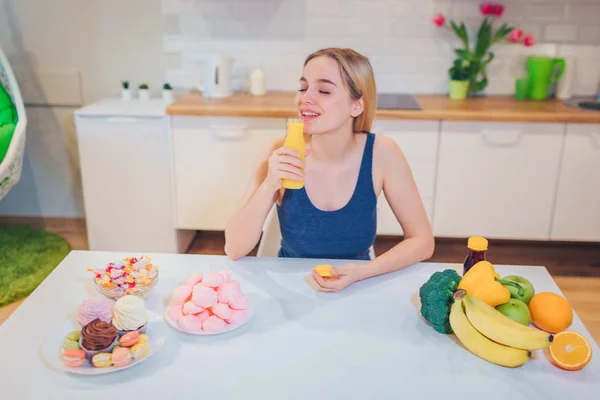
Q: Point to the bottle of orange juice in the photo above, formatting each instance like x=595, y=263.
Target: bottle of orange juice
x=295, y=141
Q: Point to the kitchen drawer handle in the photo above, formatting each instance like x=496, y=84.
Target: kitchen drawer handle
x=501, y=138
x=230, y=133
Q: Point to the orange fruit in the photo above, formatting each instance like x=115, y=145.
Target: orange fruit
x=570, y=350
x=323, y=270
x=550, y=312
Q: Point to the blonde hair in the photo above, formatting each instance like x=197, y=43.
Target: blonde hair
x=358, y=77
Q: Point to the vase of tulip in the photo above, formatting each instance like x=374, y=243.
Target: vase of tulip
x=476, y=51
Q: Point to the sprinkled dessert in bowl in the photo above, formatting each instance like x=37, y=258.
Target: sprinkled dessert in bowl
x=130, y=276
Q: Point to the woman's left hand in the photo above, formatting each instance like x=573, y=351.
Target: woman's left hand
x=341, y=277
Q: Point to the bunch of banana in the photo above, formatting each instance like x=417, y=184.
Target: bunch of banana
x=491, y=335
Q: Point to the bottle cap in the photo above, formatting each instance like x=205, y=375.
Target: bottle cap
x=477, y=243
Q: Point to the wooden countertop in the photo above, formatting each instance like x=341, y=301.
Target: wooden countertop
x=435, y=107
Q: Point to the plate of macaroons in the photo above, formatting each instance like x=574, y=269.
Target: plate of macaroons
x=105, y=337
x=208, y=304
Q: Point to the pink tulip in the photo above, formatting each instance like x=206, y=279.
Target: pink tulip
x=516, y=35
x=439, y=19
x=529, y=40
x=495, y=9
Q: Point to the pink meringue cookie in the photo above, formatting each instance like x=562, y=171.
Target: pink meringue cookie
x=239, y=302
x=181, y=294
x=190, y=323
x=174, y=312
x=203, y=316
x=234, y=285
x=213, y=279
x=226, y=275
x=204, y=296
x=93, y=308
x=213, y=324
x=237, y=316
x=226, y=293
x=193, y=279
x=192, y=308
x=222, y=311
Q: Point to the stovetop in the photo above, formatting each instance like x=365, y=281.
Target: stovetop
x=397, y=101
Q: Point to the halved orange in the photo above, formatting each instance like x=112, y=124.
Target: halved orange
x=570, y=350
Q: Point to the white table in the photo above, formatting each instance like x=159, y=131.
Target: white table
x=367, y=342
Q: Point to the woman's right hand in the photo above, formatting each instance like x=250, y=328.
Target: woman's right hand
x=284, y=163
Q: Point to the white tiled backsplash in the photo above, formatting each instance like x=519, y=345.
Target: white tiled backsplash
x=408, y=53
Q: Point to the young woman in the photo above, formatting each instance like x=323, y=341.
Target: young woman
x=345, y=170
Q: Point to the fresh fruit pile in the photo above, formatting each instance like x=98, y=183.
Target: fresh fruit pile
x=492, y=317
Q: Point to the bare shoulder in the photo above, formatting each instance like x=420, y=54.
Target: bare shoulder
x=387, y=153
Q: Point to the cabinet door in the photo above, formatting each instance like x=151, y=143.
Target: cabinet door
x=213, y=159
x=497, y=179
x=577, y=212
x=126, y=180
x=418, y=140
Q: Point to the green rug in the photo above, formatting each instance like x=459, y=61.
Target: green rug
x=27, y=257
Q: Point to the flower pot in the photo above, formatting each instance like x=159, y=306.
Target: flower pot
x=167, y=95
x=458, y=90
x=126, y=94
x=144, y=94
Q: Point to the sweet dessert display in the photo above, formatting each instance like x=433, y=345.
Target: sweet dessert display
x=210, y=303
x=109, y=335
x=129, y=276
x=93, y=308
x=129, y=314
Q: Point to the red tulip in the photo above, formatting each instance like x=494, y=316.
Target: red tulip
x=439, y=19
x=495, y=9
x=529, y=40
x=516, y=35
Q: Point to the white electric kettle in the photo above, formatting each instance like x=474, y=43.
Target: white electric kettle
x=216, y=78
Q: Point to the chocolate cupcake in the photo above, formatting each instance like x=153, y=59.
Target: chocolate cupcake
x=98, y=336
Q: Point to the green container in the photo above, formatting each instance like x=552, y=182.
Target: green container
x=458, y=90
x=543, y=73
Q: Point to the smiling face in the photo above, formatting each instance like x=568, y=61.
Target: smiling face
x=324, y=102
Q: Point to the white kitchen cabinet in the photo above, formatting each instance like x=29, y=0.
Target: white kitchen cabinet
x=125, y=158
x=418, y=140
x=214, y=157
x=577, y=210
x=497, y=180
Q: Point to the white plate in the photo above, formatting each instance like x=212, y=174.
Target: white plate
x=228, y=327
x=156, y=331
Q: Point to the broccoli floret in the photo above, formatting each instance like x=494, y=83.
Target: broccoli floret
x=436, y=298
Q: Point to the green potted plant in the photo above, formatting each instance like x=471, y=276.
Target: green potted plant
x=460, y=78
x=125, y=91
x=144, y=92
x=167, y=93
x=476, y=50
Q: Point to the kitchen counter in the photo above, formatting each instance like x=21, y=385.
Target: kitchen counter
x=434, y=107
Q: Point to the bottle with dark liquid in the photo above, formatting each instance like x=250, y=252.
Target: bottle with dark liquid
x=477, y=251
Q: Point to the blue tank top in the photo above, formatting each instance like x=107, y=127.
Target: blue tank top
x=346, y=233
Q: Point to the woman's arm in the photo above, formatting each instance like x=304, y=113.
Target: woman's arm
x=245, y=227
x=402, y=195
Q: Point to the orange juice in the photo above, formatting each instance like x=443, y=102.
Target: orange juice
x=295, y=141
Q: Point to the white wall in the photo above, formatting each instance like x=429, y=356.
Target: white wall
x=67, y=53
x=408, y=53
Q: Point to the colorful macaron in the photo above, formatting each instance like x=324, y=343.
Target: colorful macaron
x=129, y=339
x=323, y=270
x=73, y=357
x=140, y=350
x=102, y=360
x=121, y=357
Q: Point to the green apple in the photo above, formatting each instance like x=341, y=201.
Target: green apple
x=516, y=310
x=528, y=290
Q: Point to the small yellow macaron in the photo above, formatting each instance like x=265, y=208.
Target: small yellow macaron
x=323, y=270
x=102, y=360
x=140, y=350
